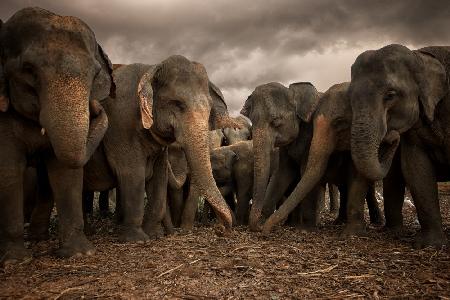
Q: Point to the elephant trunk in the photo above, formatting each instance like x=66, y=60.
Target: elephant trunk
x=65, y=114
x=322, y=145
x=263, y=143
x=372, y=149
x=194, y=138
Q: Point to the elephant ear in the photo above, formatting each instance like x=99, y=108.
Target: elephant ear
x=219, y=117
x=145, y=94
x=306, y=99
x=432, y=78
x=103, y=85
x=4, y=99
x=245, y=111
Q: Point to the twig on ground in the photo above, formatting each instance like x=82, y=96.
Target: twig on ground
x=359, y=276
x=244, y=247
x=176, y=268
x=318, y=271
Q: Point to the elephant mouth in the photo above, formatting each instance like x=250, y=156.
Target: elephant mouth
x=161, y=139
x=389, y=146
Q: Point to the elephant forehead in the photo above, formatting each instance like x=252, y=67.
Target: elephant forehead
x=40, y=28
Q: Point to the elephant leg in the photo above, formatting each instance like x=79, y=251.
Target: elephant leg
x=118, y=211
x=295, y=218
x=40, y=218
x=278, y=185
x=88, y=202
x=333, y=193
x=372, y=204
x=243, y=195
x=103, y=203
x=343, y=197
x=167, y=222
x=393, y=197
x=156, y=189
x=310, y=209
x=358, y=186
x=29, y=193
x=130, y=194
x=176, y=197
x=67, y=185
x=12, y=248
x=420, y=177
x=206, y=211
x=88, y=210
x=190, y=209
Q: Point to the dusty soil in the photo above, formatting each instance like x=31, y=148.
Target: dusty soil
x=205, y=264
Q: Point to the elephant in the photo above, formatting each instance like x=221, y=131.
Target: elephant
x=216, y=138
x=156, y=106
x=329, y=160
x=233, y=171
x=182, y=196
x=400, y=100
x=53, y=76
x=233, y=135
x=280, y=118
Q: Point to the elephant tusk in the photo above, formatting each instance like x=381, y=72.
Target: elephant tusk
x=42, y=131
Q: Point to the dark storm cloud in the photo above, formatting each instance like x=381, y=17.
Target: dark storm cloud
x=247, y=43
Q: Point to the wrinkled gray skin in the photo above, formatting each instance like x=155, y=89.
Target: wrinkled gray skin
x=179, y=184
x=155, y=106
x=398, y=94
x=329, y=161
x=52, y=75
x=182, y=196
x=234, y=135
x=233, y=171
x=280, y=117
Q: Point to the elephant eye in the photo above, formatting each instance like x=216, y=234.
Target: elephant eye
x=28, y=74
x=178, y=104
x=277, y=122
x=389, y=96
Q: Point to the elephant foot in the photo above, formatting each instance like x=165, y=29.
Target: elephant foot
x=376, y=220
x=132, y=235
x=436, y=239
x=255, y=226
x=77, y=245
x=397, y=231
x=187, y=226
x=305, y=228
x=154, y=231
x=88, y=228
x=339, y=221
x=38, y=236
x=353, y=230
x=14, y=254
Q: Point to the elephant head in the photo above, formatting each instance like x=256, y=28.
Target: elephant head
x=222, y=161
x=216, y=138
x=179, y=103
x=390, y=90
x=277, y=113
x=234, y=135
x=54, y=73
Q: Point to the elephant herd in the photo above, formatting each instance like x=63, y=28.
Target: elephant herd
x=72, y=123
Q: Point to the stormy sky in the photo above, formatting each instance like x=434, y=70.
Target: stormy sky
x=247, y=43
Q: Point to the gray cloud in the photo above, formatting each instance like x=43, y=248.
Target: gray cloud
x=247, y=43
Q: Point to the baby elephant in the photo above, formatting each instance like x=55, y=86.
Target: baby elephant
x=233, y=171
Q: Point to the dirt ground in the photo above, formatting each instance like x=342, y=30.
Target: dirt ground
x=206, y=265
